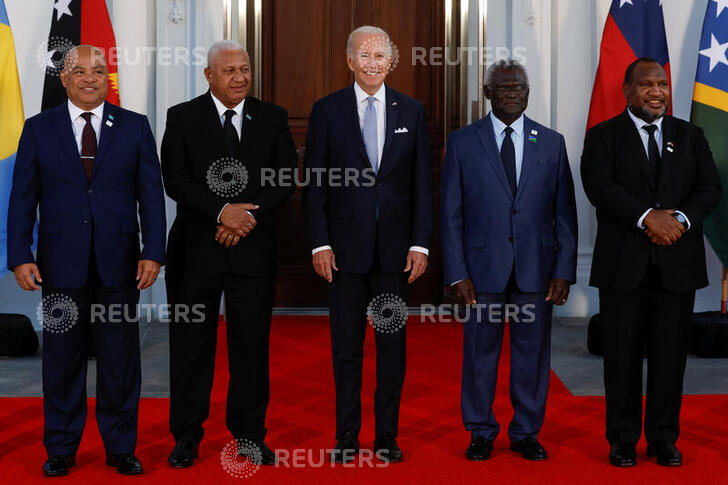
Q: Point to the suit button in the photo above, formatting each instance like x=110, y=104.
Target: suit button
x=90, y=191
x=515, y=211
x=85, y=221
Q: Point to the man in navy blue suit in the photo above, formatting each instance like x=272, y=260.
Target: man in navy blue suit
x=369, y=236
x=89, y=166
x=509, y=236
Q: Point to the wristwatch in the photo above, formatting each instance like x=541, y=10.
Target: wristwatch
x=681, y=219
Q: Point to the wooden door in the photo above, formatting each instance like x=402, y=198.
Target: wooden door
x=304, y=58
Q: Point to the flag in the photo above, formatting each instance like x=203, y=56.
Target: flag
x=76, y=22
x=11, y=125
x=710, y=111
x=634, y=29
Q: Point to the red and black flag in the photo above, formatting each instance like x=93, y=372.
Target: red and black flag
x=77, y=22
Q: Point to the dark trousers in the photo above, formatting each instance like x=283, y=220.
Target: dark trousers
x=349, y=296
x=114, y=334
x=660, y=318
x=193, y=339
x=530, y=338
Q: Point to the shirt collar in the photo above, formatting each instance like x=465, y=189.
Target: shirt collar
x=75, y=111
x=499, y=126
x=639, y=123
x=221, y=108
x=361, y=95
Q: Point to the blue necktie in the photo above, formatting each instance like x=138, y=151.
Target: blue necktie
x=369, y=133
x=508, y=154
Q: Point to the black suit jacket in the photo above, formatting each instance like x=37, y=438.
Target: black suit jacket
x=618, y=182
x=193, y=140
x=344, y=216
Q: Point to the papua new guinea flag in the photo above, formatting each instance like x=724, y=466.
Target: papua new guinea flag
x=710, y=111
x=634, y=29
x=76, y=22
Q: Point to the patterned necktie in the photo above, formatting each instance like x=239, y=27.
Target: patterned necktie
x=508, y=154
x=231, y=134
x=88, y=145
x=653, y=152
x=369, y=133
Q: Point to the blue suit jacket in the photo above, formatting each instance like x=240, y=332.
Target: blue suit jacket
x=74, y=211
x=485, y=229
x=400, y=202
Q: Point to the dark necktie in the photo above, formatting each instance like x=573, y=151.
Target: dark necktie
x=508, y=154
x=88, y=145
x=231, y=134
x=653, y=153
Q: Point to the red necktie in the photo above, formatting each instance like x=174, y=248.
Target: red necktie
x=88, y=145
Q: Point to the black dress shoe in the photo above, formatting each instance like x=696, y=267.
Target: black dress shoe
x=183, y=455
x=479, y=449
x=58, y=465
x=386, y=449
x=667, y=453
x=346, y=449
x=623, y=454
x=125, y=463
x=267, y=456
x=530, y=449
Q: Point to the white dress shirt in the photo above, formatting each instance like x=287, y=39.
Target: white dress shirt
x=237, y=121
x=499, y=130
x=645, y=137
x=380, y=105
x=78, y=123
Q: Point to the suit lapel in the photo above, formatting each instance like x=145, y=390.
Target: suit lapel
x=62, y=121
x=109, y=124
x=635, y=146
x=210, y=119
x=667, y=160
x=350, y=115
x=530, y=155
x=250, y=127
x=393, y=111
x=487, y=138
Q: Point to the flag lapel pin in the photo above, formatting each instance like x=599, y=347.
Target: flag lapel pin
x=109, y=121
x=248, y=116
x=533, y=136
x=670, y=146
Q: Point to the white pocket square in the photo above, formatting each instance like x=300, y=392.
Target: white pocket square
x=401, y=130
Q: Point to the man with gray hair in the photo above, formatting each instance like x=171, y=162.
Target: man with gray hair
x=509, y=243
x=368, y=241
x=223, y=240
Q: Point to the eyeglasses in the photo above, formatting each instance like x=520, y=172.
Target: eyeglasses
x=515, y=89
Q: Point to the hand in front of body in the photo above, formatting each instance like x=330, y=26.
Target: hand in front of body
x=464, y=292
x=662, y=228
x=558, y=291
x=324, y=262
x=24, y=274
x=417, y=263
x=237, y=219
x=147, y=272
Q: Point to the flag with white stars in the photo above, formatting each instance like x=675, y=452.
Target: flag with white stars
x=710, y=112
x=634, y=29
x=76, y=22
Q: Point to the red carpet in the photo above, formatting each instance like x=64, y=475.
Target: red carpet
x=301, y=415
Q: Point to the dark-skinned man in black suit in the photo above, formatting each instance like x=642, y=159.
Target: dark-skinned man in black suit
x=653, y=181
x=215, y=150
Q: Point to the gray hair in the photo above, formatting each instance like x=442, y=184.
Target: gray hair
x=364, y=29
x=506, y=64
x=223, y=45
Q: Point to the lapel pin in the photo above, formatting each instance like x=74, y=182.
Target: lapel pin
x=670, y=146
x=394, y=103
x=534, y=132
x=248, y=116
x=109, y=123
x=111, y=117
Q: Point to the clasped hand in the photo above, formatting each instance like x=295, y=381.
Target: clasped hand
x=662, y=227
x=236, y=223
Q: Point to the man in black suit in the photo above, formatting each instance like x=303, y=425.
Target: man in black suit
x=215, y=149
x=369, y=238
x=653, y=181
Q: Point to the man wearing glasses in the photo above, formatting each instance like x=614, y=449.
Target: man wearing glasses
x=509, y=238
